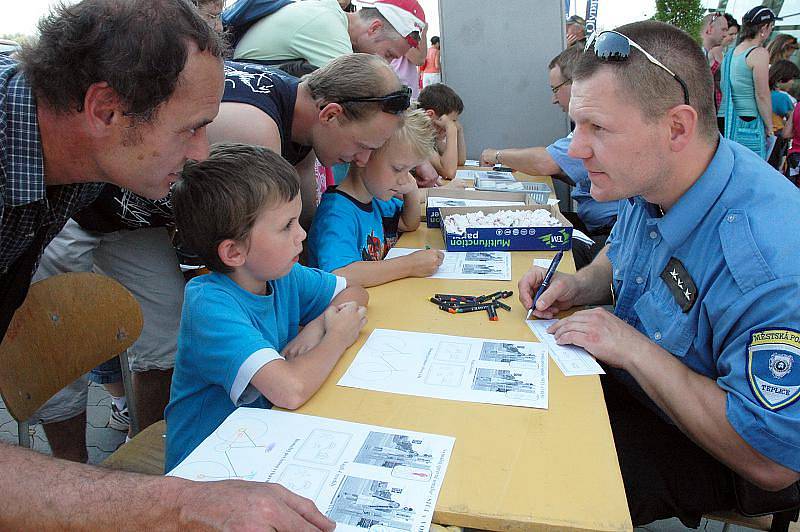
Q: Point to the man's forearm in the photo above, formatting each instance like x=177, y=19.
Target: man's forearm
x=532, y=161
x=44, y=493
x=697, y=405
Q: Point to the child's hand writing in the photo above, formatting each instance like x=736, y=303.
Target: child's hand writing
x=425, y=262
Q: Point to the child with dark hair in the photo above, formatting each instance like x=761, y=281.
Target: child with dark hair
x=781, y=77
x=240, y=341
x=444, y=106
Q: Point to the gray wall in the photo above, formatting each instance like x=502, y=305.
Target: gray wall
x=495, y=55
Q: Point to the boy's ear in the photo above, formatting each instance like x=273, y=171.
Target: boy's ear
x=431, y=114
x=231, y=253
x=330, y=112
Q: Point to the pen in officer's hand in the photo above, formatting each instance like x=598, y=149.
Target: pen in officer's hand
x=546, y=282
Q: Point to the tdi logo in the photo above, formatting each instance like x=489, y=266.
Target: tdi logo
x=557, y=239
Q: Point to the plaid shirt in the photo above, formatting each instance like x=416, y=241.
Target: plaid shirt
x=26, y=204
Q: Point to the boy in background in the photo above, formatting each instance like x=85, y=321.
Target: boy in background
x=240, y=342
x=444, y=106
x=358, y=222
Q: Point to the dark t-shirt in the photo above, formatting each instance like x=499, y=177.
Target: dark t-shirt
x=269, y=90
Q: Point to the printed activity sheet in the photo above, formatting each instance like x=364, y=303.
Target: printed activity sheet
x=364, y=477
x=502, y=372
x=440, y=201
x=570, y=359
x=484, y=265
x=486, y=174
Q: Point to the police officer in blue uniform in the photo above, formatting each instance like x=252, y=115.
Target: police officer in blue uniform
x=703, y=345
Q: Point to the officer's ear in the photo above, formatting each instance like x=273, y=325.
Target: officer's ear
x=683, y=126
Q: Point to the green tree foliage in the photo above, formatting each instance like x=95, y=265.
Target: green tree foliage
x=685, y=14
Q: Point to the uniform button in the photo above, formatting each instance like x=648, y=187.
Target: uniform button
x=639, y=280
x=657, y=335
x=653, y=235
x=616, y=273
x=731, y=218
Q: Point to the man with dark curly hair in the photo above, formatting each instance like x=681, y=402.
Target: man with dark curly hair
x=114, y=91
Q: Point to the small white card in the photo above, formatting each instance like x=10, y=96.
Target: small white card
x=484, y=265
x=570, y=359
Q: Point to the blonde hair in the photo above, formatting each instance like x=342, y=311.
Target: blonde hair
x=417, y=132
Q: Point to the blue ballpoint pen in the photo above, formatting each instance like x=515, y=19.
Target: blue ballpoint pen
x=546, y=282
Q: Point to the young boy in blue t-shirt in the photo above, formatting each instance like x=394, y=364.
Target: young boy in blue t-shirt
x=240, y=342
x=358, y=222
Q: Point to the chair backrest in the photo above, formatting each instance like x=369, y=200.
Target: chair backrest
x=68, y=324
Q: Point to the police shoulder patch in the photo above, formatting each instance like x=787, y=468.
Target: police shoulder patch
x=773, y=366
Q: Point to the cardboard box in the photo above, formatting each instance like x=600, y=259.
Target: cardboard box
x=432, y=213
x=508, y=238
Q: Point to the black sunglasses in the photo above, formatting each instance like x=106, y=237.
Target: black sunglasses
x=613, y=46
x=393, y=103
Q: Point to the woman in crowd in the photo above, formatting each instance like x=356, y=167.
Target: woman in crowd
x=746, y=106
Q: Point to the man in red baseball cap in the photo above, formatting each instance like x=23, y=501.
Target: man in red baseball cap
x=319, y=30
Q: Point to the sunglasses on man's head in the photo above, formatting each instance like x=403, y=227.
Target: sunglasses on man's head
x=393, y=103
x=614, y=46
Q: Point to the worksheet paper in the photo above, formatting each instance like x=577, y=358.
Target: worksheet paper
x=363, y=477
x=440, y=201
x=471, y=162
x=484, y=265
x=502, y=372
x=488, y=174
x=570, y=359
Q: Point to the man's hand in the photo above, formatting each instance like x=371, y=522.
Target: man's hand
x=560, y=295
x=571, y=38
x=425, y=262
x=602, y=334
x=241, y=505
x=488, y=157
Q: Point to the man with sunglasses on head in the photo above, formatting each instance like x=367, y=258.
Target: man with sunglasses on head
x=714, y=29
x=340, y=113
x=702, y=348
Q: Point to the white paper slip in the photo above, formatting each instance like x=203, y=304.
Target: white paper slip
x=486, y=174
x=570, y=359
x=552, y=201
x=542, y=263
x=441, y=201
x=502, y=372
x=355, y=473
x=485, y=265
x=472, y=162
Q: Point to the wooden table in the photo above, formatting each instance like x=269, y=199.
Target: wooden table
x=512, y=468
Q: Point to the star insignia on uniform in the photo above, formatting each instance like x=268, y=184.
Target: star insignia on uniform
x=688, y=294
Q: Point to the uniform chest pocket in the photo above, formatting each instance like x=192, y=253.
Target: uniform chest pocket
x=664, y=322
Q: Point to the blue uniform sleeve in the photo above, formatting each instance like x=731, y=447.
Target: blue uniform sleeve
x=333, y=240
x=571, y=166
x=315, y=290
x=759, y=368
x=221, y=346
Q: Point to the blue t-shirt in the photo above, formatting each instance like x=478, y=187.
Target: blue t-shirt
x=595, y=214
x=716, y=282
x=345, y=230
x=226, y=335
x=273, y=92
x=781, y=103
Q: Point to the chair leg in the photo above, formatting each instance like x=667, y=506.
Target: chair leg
x=781, y=520
x=127, y=383
x=23, y=434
